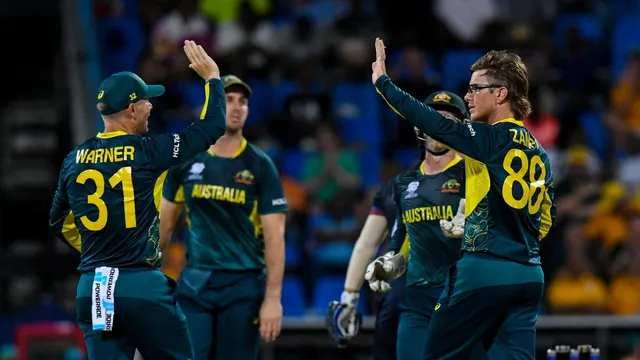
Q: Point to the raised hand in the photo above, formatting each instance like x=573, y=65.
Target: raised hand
x=378, y=67
x=200, y=61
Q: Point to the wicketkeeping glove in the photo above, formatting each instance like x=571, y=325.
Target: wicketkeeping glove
x=387, y=267
x=343, y=320
x=455, y=227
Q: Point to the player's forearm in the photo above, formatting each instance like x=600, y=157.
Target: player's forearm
x=460, y=137
x=364, y=251
x=169, y=213
x=274, y=262
x=202, y=134
x=417, y=113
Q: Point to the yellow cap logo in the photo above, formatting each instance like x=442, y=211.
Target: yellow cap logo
x=100, y=94
x=442, y=97
x=437, y=307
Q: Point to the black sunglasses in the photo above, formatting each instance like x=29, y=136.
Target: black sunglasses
x=475, y=88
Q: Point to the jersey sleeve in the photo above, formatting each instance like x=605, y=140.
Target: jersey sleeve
x=548, y=214
x=399, y=230
x=164, y=151
x=377, y=206
x=173, y=190
x=475, y=140
x=61, y=219
x=271, y=197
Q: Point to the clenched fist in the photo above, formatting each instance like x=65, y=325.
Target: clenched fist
x=200, y=61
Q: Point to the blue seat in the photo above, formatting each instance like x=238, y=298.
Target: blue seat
x=292, y=163
x=357, y=110
x=595, y=131
x=260, y=102
x=334, y=254
x=123, y=42
x=293, y=257
x=407, y=156
x=283, y=90
x=588, y=25
x=293, y=299
x=370, y=163
x=175, y=125
x=327, y=289
x=455, y=68
x=192, y=95
x=624, y=39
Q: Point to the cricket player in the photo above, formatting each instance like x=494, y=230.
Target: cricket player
x=342, y=320
x=494, y=291
x=236, y=209
x=430, y=215
x=106, y=207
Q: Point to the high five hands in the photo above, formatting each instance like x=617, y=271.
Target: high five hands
x=378, y=67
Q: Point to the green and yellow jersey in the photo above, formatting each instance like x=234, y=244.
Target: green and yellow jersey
x=509, y=183
x=224, y=199
x=109, y=190
x=421, y=202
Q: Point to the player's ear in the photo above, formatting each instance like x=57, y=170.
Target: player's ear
x=501, y=95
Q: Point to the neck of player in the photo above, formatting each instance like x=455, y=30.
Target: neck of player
x=434, y=164
x=114, y=124
x=228, y=144
x=501, y=113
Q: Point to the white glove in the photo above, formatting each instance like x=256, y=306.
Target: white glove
x=349, y=301
x=454, y=228
x=387, y=267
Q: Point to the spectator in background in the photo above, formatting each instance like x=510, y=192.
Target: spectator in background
x=608, y=226
x=304, y=44
x=248, y=43
x=184, y=22
x=625, y=98
x=575, y=289
x=578, y=191
x=331, y=169
x=625, y=272
x=303, y=113
x=629, y=167
x=542, y=123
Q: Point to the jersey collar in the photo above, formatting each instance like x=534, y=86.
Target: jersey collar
x=452, y=163
x=111, y=134
x=243, y=146
x=510, y=120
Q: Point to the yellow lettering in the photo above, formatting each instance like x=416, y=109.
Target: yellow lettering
x=428, y=213
x=522, y=137
x=106, y=155
x=220, y=193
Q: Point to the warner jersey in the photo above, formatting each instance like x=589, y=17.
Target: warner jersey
x=421, y=202
x=224, y=199
x=509, y=182
x=109, y=190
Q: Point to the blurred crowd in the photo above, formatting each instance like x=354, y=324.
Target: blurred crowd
x=315, y=113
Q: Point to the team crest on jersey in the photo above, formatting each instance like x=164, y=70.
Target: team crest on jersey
x=195, y=173
x=244, y=177
x=412, y=190
x=442, y=97
x=451, y=186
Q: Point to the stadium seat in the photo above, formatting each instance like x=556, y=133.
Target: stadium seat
x=595, y=132
x=370, y=164
x=293, y=302
x=357, y=109
x=624, y=38
x=283, y=90
x=123, y=42
x=334, y=254
x=329, y=288
x=292, y=163
x=293, y=258
x=260, y=103
x=192, y=95
x=455, y=68
x=406, y=156
x=588, y=25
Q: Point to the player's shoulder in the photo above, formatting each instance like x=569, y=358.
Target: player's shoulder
x=258, y=157
x=193, y=165
x=408, y=176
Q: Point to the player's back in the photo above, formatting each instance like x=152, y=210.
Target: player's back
x=114, y=195
x=509, y=196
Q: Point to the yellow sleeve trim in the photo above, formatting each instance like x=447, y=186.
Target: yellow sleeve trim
x=207, y=91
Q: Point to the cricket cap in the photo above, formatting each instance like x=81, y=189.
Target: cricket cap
x=448, y=101
x=233, y=82
x=119, y=90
